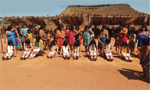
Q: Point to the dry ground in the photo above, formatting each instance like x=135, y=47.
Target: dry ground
x=42, y=73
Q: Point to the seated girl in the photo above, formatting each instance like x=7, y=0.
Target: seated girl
x=93, y=50
x=65, y=50
x=76, y=50
x=10, y=50
x=27, y=50
x=124, y=52
x=38, y=47
x=108, y=50
x=52, y=49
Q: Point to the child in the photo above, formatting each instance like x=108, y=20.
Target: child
x=108, y=50
x=10, y=50
x=65, y=50
x=101, y=41
x=117, y=42
x=52, y=49
x=38, y=47
x=131, y=43
x=27, y=50
x=19, y=42
x=48, y=37
x=124, y=52
x=30, y=36
x=76, y=50
x=93, y=50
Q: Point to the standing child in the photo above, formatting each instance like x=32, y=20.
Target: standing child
x=48, y=37
x=93, y=50
x=124, y=52
x=52, y=49
x=10, y=50
x=101, y=41
x=19, y=42
x=65, y=50
x=117, y=42
x=132, y=41
x=76, y=50
x=27, y=50
x=108, y=50
x=30, y=36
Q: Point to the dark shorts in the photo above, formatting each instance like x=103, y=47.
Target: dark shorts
x=141, y=60
x=147, y=63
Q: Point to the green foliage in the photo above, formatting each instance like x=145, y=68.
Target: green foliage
x=5, y=22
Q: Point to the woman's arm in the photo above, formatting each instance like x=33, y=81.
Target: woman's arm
x=41, y=44
x=40, y=34
x=107, y=34
x=22, y=33
x=61, y=50
x=17, y=34
x=100, y=40
x=147, y=51
x=69, y=49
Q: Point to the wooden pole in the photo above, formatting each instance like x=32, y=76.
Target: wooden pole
x=1, y=42
x=89, y=20
x=33, y=25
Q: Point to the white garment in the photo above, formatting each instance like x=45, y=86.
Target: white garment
x=92, y=35
x=37, y=49
x=108, y=47
x=76, y=50
x=10, y=49
x=90, y=49
x=65, y=49
x=93, y=54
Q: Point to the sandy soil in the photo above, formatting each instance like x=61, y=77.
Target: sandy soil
x=56, y=73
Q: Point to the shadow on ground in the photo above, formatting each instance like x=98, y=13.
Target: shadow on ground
x=132, y=74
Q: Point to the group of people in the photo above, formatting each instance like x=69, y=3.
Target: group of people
x=67, y=43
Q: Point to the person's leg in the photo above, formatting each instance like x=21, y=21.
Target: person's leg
x=147, y=73
x=27, y=55
x=107, y=56
x=91, y=56
x=77, y=56
x=9, y=55
x=95, y=56
x=68, y=56
x=111, y=57
x=74, y=56
x=129, y=57
x=64, y=55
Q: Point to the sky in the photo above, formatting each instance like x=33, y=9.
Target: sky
x=54, y=7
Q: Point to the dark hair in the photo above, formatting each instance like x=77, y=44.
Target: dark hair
x=124, y=43
x=132, y=35
x=42, y=26
x=28, y=41
x=53, y=42
x=67, y=26
x=9, y=27
x=144, y=41
x=29, y=30
x=107, y=40
x=24, y=24
x=104, y=26
x=92, y=41
x=76, y=43
x=60, y=26
x=38, y=39
x=87, y=26
x=144, y=26
x=123, y=25
x=117, y=35
x=10, y=42
x=71, y=27
x=99, y=31
x=77, y=26
x=65, y=43
x=47, y=31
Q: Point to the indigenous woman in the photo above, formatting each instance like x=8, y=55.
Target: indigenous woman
x=60, y=36
x=42, y=35
x=142, y=34
x=10, y=36
x=66, y=32
x=123, y=34
x=23, y=32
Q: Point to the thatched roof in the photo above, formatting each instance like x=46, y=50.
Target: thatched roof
x=109, y=9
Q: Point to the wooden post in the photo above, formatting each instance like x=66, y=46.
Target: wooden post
x=89, y=20
x=33, y=25
x=1, y=42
